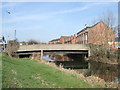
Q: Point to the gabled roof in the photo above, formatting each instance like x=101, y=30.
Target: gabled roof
x=65, y=36
x=89, y=27
x=83, y=30
x=55, y=39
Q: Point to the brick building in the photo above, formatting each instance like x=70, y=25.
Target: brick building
x=68, y=39
x=55, y=41
x=98, y=34
x=64, y=40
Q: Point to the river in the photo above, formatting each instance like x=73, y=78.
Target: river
x=108, y=72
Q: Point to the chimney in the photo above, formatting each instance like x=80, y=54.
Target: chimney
x=85, y=25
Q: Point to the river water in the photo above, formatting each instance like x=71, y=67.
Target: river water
x=108, y=72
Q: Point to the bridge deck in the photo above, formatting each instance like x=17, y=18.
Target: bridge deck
x=52, y=47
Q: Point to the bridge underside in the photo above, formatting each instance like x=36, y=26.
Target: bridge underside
x=54, y=51
x=43, y=52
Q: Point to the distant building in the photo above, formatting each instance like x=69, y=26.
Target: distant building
x=64, y=40
x=23, y=43
x=69, y=39
x=55, y=41
x=98, y=34
x=117, y=43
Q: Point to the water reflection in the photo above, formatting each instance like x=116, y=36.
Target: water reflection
x=105, y=71
x=72, y=64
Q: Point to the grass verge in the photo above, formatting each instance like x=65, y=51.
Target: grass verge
x=27, y=73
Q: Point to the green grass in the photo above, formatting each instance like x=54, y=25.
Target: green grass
x=27, y=73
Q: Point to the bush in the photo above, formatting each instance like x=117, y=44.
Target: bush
x=102, y=53
x=32, y=42
x=12, y=47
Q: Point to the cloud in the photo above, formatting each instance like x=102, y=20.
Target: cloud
x=43, y=16
x=70, y=10
x=46, y=16
x=87, y=6
x=26, y=18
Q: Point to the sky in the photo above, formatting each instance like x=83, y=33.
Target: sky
x=44, y=21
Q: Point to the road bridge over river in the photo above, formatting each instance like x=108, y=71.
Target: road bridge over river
x=53, y=48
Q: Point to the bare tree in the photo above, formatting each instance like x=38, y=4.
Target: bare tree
x=23, y=43
x=108, y=18
x=107, y=34
x=32, y=42
x=12, y=47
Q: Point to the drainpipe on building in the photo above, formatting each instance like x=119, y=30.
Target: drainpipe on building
x=83, y=38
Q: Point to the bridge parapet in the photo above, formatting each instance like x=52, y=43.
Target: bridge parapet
x=52, y=47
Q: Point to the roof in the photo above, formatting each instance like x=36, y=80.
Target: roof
x=65, y=36
x=83, y=30
x=0, y=40
x=55, y=39
x=89, y=27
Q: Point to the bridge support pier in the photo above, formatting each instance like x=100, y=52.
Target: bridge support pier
x=41, y=54
x=36, y=56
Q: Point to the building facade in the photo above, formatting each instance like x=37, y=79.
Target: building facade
x=64, y=40
x=97, y=34
x=55, y=41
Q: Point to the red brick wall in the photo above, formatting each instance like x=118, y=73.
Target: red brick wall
x=62, y=40
x=74, y=39
x=100, y=34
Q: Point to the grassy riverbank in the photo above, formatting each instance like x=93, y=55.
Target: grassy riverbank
x=27, y=73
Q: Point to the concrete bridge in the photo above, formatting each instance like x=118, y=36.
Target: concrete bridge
x=53, y=48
